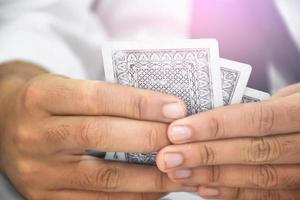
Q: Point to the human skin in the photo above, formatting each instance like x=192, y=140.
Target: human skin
x=245, y=152
x=48, y=122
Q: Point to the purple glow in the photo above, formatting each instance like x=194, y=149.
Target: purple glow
x=249, y=31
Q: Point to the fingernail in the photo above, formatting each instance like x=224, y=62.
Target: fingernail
x=205, y=191
x=174, y=110
x=173, y=160
x=182, y=173
x=180, y=133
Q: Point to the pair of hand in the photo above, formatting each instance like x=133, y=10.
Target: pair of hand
x=48, y=123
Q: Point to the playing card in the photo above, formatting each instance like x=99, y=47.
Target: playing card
x=252, y=95
x=235, y=76
x=189, y=69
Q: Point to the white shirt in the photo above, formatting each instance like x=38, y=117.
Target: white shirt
x=65, y=37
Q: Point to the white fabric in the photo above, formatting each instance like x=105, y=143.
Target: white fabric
x=65, y=37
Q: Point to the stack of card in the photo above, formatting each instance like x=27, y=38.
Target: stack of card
x=190, y=69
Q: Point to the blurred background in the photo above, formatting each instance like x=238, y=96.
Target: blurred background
x=262, y=33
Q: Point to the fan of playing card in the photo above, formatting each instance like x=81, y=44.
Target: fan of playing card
x=189, y=69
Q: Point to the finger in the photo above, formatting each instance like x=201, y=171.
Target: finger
x=62, y=96
x=99, y=175
x=282, y=149
x=90, y=195
x=248, y=194
x=287, y=91
x=277, y=116
x=256, y=177
x=104, y=134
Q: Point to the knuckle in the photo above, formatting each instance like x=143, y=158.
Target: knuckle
x=214, y=174
x=57, y=134
x=292, y=182
x=160, y=181
x=20, y=138
x=102, y=140
x=263, y=150
x=267, y=195
x=23, y=139
x=86, y=136
x=265, y=176
x=263, y=117
x=30, y=95
x=86, y=179
x=137, y=105
x=152, y=136
x=216, y=128
x=108, y=178
x=207, y=155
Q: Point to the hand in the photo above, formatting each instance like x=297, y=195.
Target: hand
x=49, y=122
x=245, y=152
